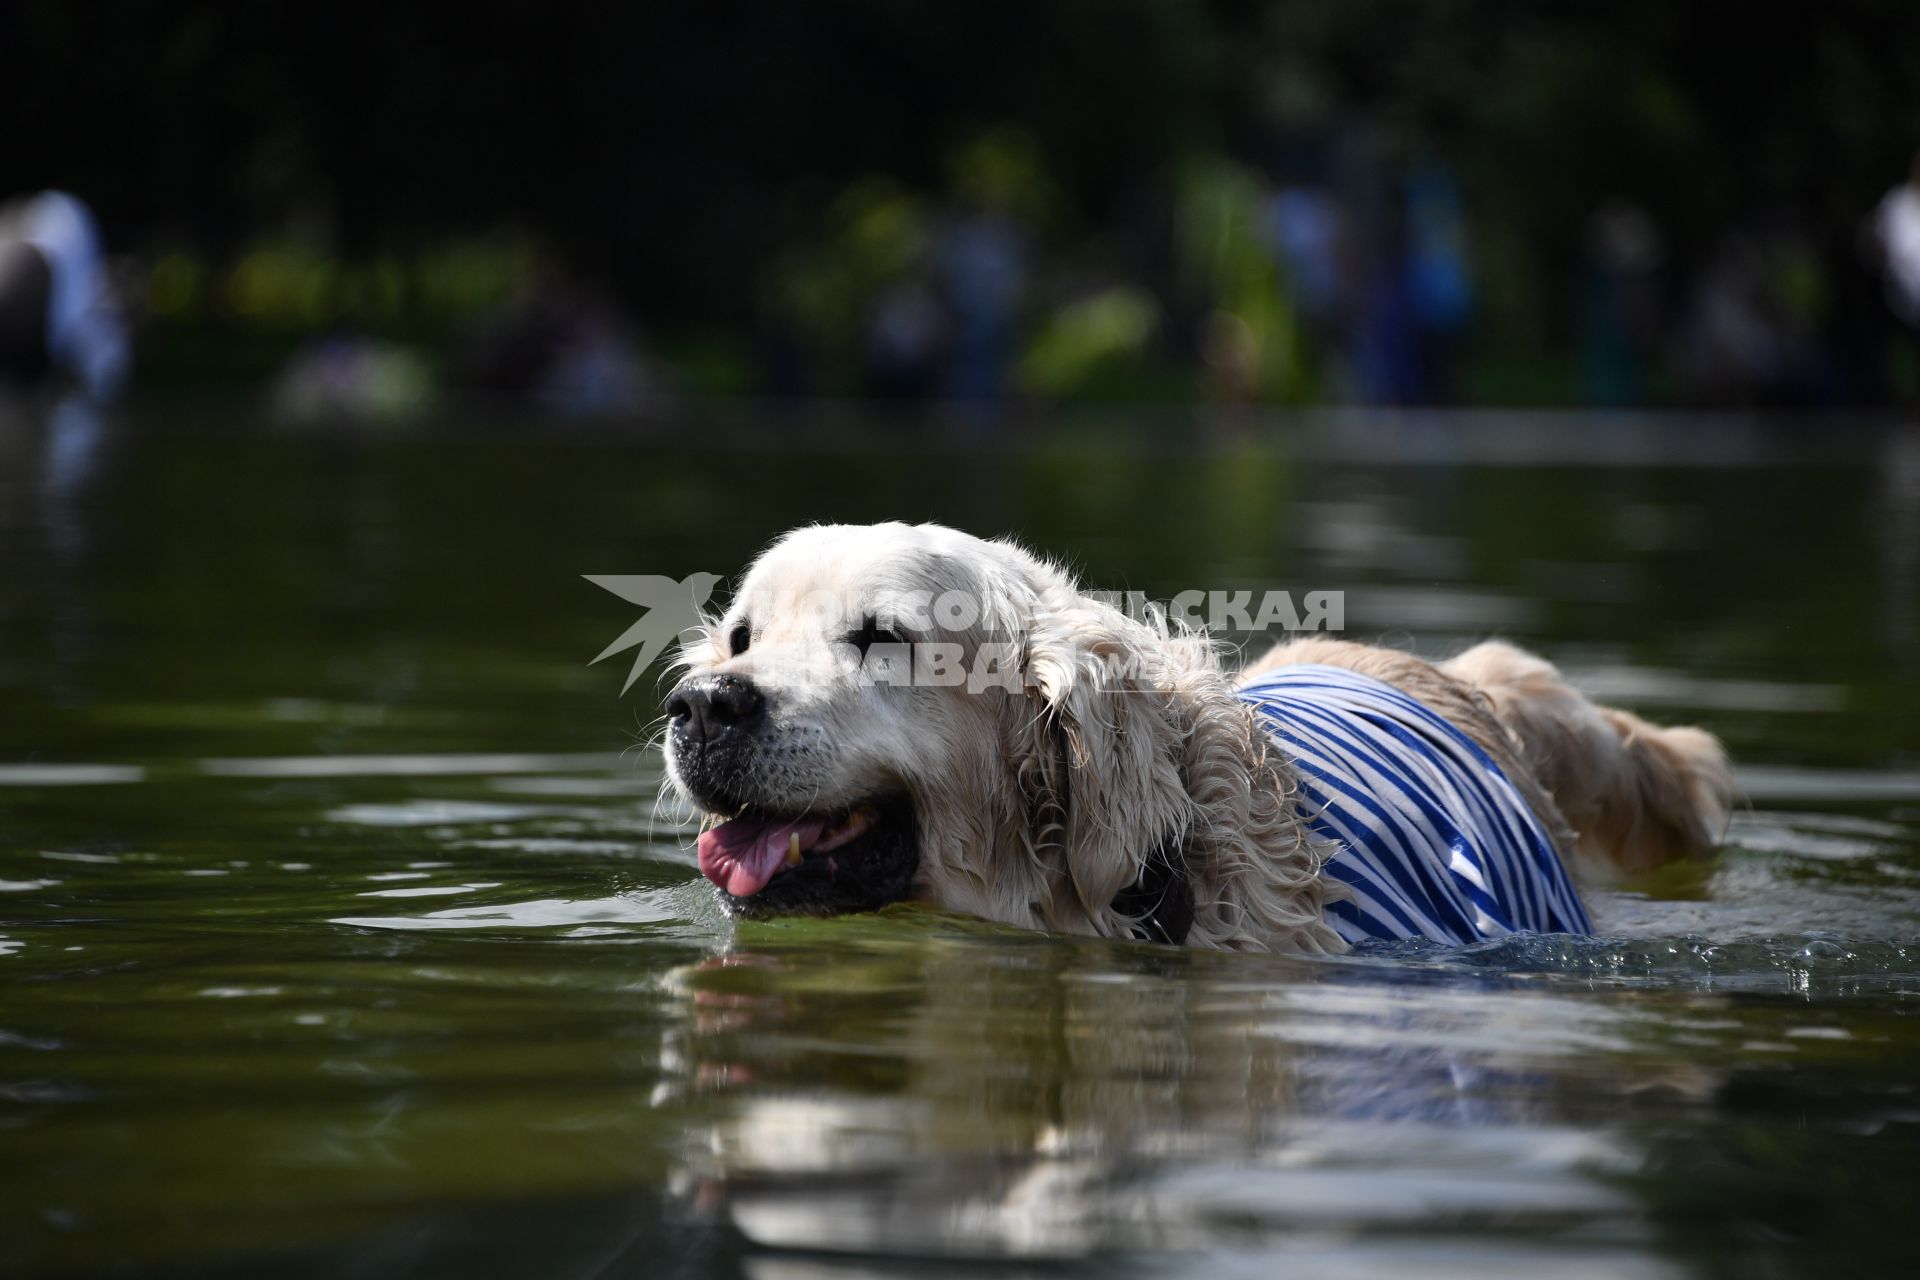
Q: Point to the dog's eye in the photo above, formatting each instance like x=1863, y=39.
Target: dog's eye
x=739, y=639
x=871, y=633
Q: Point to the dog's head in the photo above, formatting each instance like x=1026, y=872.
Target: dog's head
x=894, y=711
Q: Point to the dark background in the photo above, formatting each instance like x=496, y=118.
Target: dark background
x=680, y=160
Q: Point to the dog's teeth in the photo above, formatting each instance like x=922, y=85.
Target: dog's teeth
x=793, y=849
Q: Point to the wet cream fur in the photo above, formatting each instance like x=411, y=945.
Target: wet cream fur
x=1038, y=804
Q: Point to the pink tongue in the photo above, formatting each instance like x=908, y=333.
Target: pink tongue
x=741, y=855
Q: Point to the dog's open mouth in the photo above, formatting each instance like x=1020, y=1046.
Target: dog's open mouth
x=855, y=859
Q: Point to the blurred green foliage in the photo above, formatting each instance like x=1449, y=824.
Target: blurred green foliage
x=387, y=165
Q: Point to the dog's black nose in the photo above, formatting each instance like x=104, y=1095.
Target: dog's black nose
x=706, y=708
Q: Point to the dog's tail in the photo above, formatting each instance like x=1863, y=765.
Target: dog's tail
x=1636, y=795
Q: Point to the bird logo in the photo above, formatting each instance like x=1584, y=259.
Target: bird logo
x=672, y=610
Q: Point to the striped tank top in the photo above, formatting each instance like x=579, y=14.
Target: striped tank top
x=1432, y=839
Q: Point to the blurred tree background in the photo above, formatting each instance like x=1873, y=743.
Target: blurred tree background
x=748, y=181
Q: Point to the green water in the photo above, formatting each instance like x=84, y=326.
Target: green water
x=341, y=933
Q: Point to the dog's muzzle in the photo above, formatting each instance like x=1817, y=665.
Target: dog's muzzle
x=710, y=710
x=714, y=723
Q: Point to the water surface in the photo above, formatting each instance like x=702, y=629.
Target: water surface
x=342, y=930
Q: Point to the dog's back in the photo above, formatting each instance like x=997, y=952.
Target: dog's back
x=1637, y=795
x=1620, y=795
x=1425, y=831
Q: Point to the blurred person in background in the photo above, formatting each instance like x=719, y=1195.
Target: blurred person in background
x=904, y=344
x=561, y=345
x=1311, y=238
x=1418, y=295
x=983, y=268
x=981, y=258
x=1736, y=344
x=1896, y=241
x=1440, y=277
x=59, y=324
x=1622, y=318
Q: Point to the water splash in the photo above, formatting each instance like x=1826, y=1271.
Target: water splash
x=1811, y=963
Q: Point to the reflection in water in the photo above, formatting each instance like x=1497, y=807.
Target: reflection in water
x=68, y=775
x=1900, y=481
x=1059, y=1102
x=540, y=913
x=73, y=439
x=75, y=449
x=391, y=766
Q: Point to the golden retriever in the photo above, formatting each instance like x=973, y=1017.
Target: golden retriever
x=896, y=711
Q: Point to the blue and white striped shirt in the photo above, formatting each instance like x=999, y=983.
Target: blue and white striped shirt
x=1433, y=840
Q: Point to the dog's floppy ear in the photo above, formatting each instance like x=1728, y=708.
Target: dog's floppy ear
x=1098, y=756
